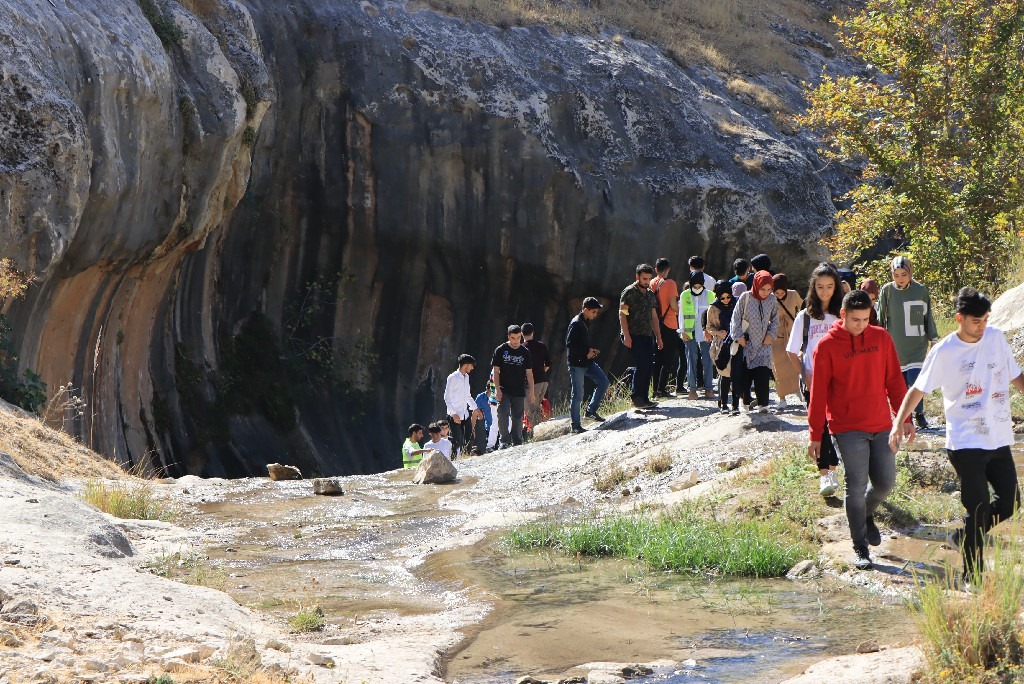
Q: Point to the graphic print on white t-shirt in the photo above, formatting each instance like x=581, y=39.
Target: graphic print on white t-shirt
x=975, y=381
x=816, y=330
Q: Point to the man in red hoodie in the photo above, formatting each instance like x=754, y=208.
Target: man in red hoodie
x=857, y=386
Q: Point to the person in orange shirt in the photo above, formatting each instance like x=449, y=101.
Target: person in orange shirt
x=666, y=358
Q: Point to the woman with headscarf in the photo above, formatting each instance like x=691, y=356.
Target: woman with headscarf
x=870, y=285
x=787, y=380
x=755, y=322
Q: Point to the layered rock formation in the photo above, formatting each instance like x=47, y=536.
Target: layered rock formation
x=263, y=231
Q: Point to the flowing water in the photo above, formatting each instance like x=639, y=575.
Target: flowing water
x=283, y=549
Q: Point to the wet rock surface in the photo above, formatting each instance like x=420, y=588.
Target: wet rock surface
x=216, y=224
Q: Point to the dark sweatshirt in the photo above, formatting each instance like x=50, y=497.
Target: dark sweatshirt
x=577, y=343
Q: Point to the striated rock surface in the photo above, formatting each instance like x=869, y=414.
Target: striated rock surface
x=272, y=229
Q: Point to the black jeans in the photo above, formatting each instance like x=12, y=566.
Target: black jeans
x=642, y=352
x=738, y=371
x=977, y=469
x=760, y=377
x=510, y=410
x=724, y=384
x=459, y=433
x=827, y=457
x=666, y=358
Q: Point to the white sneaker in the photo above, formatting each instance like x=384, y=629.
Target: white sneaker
x=828, y=483
x=782, y=405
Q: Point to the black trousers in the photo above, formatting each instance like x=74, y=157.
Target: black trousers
x=977, y=469
x=666, y=358
x=459, y=434
x=827, y=457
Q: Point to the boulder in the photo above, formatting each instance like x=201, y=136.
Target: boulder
x=25, y=606
x=435, y=468
x=805, y=569
x=684, y=481
x=731, y=463
x=891, y=666
x=1008, y=311
x=283, y=472
x=549, y=429
x=327, y=486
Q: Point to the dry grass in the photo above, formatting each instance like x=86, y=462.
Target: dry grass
x=752, y=165
x=726, y=35
x=133, y=500
x=612, y=476
x=46, y=453
x=659, y=462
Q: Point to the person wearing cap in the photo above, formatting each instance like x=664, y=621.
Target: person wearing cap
x=755, y=322
x=541, y=359
x=693, y=302
x=640, y=332
x=512, y=367
x=459, y=403
x=582, y=360
x=905, y=310
x=787, y=380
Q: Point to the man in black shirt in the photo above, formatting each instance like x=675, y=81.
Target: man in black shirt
x=513, y=380
x=582, y=360
x=541, y=360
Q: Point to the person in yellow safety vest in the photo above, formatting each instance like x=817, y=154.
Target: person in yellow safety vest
x=694, y=301
x=412, y=454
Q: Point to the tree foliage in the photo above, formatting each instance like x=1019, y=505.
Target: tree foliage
x=940, y=135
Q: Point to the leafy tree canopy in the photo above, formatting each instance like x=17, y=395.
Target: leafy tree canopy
x=940, y=135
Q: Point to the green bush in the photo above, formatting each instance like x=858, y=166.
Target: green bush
x=308, y=620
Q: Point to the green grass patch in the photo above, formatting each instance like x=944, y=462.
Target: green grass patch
x=925, y=492
x=785, y=493
x=684, y=540
x=129, y=500
x=976, y=638
x=308, y=620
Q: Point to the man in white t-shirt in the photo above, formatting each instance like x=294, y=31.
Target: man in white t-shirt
x=974, y=367
x=438, y=442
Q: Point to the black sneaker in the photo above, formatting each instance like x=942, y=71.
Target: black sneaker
x=921, y=421
x=577, y=430
x=874, y=536
x=650, y=404
x=861, y=557
x=594, y=415
x=954, y=538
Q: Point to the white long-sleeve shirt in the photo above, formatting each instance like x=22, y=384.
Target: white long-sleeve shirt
x=457, y=398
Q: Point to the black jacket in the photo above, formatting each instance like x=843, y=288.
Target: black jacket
x=577, y=343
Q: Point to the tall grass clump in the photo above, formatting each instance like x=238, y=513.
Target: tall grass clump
x=684, y=540
x=129, y=500
x=977, y=638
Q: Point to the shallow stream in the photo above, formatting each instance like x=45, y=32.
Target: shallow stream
x=283, y=549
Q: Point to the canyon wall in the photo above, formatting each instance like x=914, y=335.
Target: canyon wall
x=263, y=231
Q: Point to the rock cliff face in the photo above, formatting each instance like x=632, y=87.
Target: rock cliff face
x=263, y=231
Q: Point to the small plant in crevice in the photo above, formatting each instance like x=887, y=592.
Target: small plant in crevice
x=249, y=136
x=308, y=620
x=169, y=33
x=129, y=501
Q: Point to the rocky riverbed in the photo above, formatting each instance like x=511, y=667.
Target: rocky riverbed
x=409, y=580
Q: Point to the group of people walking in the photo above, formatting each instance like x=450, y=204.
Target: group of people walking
x=848, y=352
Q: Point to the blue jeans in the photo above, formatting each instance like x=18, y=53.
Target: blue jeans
x=698, y=353
x=576, y=376
x=909, y=376
x=642, y=353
